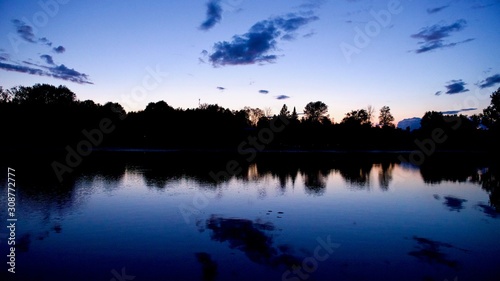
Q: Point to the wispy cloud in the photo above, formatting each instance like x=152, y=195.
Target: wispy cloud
x=257, y=44
x=310, y=34
x=433, y=36
x=437, y=9
x=54, y=70
x=22, y=69
x=312, y=4
x=264, y=92
x=48, y=59
x=452, y=112
x=483, y=6
x=456, y=87
x=282, y=97
x=214, y=15
x=49, y=68
x=24, y=31
x=221, y=88
x=489, y=81
x=4, y=56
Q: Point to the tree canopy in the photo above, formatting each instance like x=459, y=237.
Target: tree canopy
x=45, y=115
x=315, y=110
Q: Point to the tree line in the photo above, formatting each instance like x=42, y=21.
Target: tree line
x=46, y=116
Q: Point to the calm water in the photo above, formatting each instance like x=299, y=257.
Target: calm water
x=296, y=216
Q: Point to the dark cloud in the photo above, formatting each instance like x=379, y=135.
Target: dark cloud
x=263, y=91
x=439, y=45
x=437, y=9
x=25, y=31
x=48, y=59
x=293, y=22
x=214, y=15
x=55, y=71
x=22, y=69
x=256, y=45
x=59, y=49
x=282, y=97
x=456, y=87
x=489, y=81
x=45, y=41
x=438, y=93
x=433, y=36
x=62, y=72
x=221, y=88
x=452, y=112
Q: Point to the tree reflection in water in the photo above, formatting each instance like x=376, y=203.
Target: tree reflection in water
x=253, y=239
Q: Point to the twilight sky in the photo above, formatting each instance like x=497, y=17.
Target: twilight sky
x=413, y=56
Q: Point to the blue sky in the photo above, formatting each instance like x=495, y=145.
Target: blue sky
x=413, y=56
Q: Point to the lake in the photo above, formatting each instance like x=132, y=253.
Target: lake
x=281, y=216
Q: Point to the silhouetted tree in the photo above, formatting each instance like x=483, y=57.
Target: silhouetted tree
x=325, y=120
x=294, y=115
x=432, y=120
x=385, y=118
x=491, y=114
x=284, y=111
x=357, y=117
x=315, y=110
x=476, y=120
x=43, y=94
x=159, y=107
x=56, y=119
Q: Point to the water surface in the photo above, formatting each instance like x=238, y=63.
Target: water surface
x=293, y=216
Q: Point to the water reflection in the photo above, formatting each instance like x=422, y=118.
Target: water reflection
x=432, y=252
x=160, y=170
x=253, y=238
x=488, y=210
x=208, y=266
x=385, y=174
x=454, y=203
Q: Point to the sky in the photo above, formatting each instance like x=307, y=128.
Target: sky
x=413, y=56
